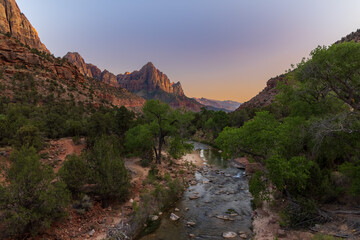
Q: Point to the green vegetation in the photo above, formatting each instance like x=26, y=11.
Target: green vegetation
x=161, y=125
x=308, y=135
x=108, y=171
x=74, y=173
x=32, y=200
x=111, y=134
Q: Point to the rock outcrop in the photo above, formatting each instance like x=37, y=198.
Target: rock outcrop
x=151, y=83
x=13, y=22
x=78, y=61
x=95, y=71
x=266, y=96
x=90, y=70
x=108, y=78
x=354, y=36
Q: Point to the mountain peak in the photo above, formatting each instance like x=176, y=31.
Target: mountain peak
x=76, y=59
x=15, y=23
x=149, y=66
x=150, y=79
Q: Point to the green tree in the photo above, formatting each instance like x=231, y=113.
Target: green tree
x=162, y=123
x=29, y=136
x=334, y=70
x=123, y=120
x=74, y=173
x=31, y=200
x=108, y=171
x=140, y=142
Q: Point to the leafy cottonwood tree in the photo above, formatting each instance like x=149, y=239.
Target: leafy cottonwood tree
x=161, y=124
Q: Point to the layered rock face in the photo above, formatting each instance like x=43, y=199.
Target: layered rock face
x=148, y=82
x=56, y=77
x=108, y=78
x=149, y=79
x=79, y=62
x=95, y=71
x=14, y=22
x=151, y=83
x=90, y=70
x=50, y=74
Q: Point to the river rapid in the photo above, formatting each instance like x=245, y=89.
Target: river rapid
x=217, y=201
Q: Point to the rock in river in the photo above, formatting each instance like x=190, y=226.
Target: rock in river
x=193, y=197
x=229, y=235
x=154, y=218
x=190, y=223
x=174, y=217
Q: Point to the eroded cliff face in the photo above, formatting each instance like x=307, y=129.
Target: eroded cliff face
x=90, y=70
x=149, y=79
x=14, y=22
x=109, y=78
x=148, y=82
x=95, y=71
x=78, y=61
x=151, y=83
x=55, y=77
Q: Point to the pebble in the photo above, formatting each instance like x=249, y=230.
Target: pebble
x=92, y=232
x=193, y=197
x=243, y=236
x=154, y=218
x=229, y=235
x=177, y=210
x=174, y=217
x=190, y=223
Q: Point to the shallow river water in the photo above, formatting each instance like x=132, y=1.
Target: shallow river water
x=222, y=192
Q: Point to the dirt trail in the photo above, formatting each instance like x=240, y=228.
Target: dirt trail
x=59, y=149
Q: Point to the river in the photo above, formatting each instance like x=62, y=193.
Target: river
x=223, y=203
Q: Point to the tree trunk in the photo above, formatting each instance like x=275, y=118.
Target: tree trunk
x=159, y=149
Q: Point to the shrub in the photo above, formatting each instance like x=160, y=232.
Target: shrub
x=32, y=200
x=29, y=136
x=108, y=171
x=257, y=187
x=74, y=173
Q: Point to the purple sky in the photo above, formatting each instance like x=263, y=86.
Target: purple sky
x=219, y=49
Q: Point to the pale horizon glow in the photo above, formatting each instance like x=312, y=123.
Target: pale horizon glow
x=223, y=50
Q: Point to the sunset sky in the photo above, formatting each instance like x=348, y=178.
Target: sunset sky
x=219, y=49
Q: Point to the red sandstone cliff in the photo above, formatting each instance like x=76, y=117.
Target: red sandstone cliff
x=15, y=23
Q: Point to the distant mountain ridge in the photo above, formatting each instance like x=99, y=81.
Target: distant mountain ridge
x=227, y=105
x=148, y=82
